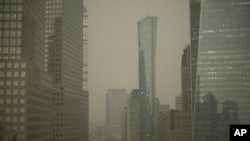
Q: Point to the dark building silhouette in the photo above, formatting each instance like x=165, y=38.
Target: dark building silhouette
x=188, y=66
x=193, y=49
x=210, y=124
x=137, y=114
x=25, y=88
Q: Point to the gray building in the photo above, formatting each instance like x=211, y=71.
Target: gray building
x=64, y=62
x=222, y=68
x=179, y=103
x=189, y=61
x=25, y=88
x=147, y=29
x=116, y=101
x=134, y=116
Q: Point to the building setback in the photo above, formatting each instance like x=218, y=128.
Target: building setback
x=223, y=68
x=25, y=88
x=64, y=62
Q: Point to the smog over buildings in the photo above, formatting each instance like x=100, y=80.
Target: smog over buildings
x=123, y=70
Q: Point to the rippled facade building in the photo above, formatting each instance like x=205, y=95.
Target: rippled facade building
x=223, y=69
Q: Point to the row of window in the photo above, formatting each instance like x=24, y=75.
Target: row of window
x=12, y=101
x=11, y=1
x=11, y=33
x=12, y=65
x=15, y=74
x=12, y=42
x=15, y=128
x=11, y=24
x=12, y=7
x=12, y=83
x=13, y=119
x=12, y=92
x=11, y=16
x=11, y=57
x=14, y=110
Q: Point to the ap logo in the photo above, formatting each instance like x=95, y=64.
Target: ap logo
x=239, y=132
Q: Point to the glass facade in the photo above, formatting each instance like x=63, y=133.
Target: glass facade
x=147, y=49
x=223, y=66
x=64, y=43
x=85, y=49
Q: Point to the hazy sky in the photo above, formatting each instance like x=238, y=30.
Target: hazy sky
x=113, y=47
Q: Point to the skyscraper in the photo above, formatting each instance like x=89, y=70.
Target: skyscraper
x=134, y=116
x=191, y=52
x=222, y=68
x=85, y=48
x=64, y=62
x=25, y=88
x=147, y=28
x=116, y=101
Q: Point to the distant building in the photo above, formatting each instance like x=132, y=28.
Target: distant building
x=97, y=133
x=164, y=108
x=179, y=103
x=116, y=101
x=25, y=88
x=147, y=29
x=134, y=115
x=174, y=126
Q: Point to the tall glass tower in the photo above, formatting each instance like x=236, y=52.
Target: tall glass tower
x=223, y=78
x=147, y=28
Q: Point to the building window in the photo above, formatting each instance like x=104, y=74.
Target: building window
x=14, y=110
x=16, y=74
x=23, y=74
x=8, y=74
x=22, y=110
x=23, y=83
x=9, y=65
x=16, y=83
x=1, y=83
x=1, y=65
x=1, y=74
x=22, y=92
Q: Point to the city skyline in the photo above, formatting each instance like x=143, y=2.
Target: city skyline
x=115, y=55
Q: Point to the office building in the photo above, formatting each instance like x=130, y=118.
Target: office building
x=134, y=116
x=179, y=103
x=222, y=67
x=174, y=126
x=116, y=101
x=164, y=108
x=147, y=28
x=25, y=88
x=85, y=48
x=191, y=53
x=64, y=62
